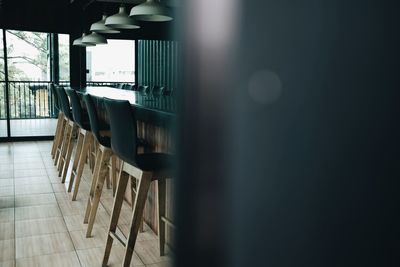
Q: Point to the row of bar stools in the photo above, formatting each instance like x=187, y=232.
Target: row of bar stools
x=101, y=168
x=60, y=122
x=145, y=168
x=68, y=140
x=85, y=141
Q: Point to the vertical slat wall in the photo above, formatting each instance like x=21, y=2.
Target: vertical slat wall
x=158, y=63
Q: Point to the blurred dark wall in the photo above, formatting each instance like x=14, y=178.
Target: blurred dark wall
x=290, y=134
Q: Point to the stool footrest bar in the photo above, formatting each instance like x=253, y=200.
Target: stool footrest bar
x=122, y=240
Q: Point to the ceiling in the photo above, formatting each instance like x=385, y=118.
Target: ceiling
x=74, y=16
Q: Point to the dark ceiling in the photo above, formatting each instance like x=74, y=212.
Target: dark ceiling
x=74, y=16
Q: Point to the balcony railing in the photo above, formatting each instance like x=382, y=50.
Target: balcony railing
x=32, y=99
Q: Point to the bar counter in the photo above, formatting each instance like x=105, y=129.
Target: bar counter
x=156, y=118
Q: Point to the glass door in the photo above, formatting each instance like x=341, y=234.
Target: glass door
x=4, y=123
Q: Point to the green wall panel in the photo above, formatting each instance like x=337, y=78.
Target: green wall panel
x=158, y=63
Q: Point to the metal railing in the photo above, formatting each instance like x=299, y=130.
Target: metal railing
x=32, y=99
x=27, y=100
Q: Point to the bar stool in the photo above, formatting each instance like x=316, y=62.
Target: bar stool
x=85, y=140
x=59, y=141
x=67, y=143
x=157, y=90
x=145, y=168
x=60, y=122
x=101, y=167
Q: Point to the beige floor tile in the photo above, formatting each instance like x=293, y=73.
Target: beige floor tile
x=6, y=173
x=68, y=259
x=6, y=202
x=26, y=189
x=31, y=180
x=6, y=215
x=7, y=263
x=26, y=155
x=161, y=264
x=7, y=250
x=59, y=187
x=75, y=222
x=52, y=172
x=93, y=257
x=149, y=252
x=6, y=191
x=75, y=207
x=28, y=165
x=6, y=230
x=72, y=207
x=29, y=172
x=63, y=197
x=6, y=182
x=98, y=238
x=39, y=227
x=148, y=234
x=35, y=200
x=37, y=212
x=42, y=245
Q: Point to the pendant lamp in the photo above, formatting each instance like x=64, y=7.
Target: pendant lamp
x=121, y=20
x=101, y=28
x=94, y=38
x=151, y=10
x=78, y=41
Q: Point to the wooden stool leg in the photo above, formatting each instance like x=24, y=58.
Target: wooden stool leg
x=96, y=171
x=64, y=149
x=140, y=201
x=78, y=152
x=109, y=170
x=161, y=184
x=59, y=141
x=88, y=139
x=92, y=159
x=133, y=186
x=116, y=210
x=114, y=173
x=57, y=133
x=69, y=153
x=105, y=158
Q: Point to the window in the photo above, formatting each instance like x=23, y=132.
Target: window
x=28, y=56
x=114, y=62
x=63, y=51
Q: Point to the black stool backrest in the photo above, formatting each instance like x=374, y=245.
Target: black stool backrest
x=94, y=120
x=144, y=89
x=167, y=92
x=55, y=96
x=157, y=90
x=123, y=129
x=65, y=107
x=77, y=111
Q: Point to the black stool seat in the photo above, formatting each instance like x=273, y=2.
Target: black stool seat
x=153, y=161
x=97, y=130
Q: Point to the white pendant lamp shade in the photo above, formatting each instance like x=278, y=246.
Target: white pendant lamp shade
x=78, y=42
x=94, y=38
x=151, y=10
x=121, y=20
x=100, y=27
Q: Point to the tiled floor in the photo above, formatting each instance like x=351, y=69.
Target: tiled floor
x=29, y=127
x=41, y=226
